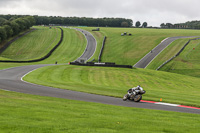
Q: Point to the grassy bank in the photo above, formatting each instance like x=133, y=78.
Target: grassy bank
x=28, y=113
x=71, y=48
x=167, y=53
x=130, y=49
x=33, y=45
x=172, y=88
x=187, y=62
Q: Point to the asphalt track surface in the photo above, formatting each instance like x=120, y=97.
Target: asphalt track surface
x=91, y=45
x=12, y=80
x=146, y=60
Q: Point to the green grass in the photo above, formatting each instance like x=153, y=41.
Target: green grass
x=187, y=62
x=11, y=38
x=33, y=45
x=167, y=53
x=130, y=49
x=28, y=113
x=71, y=48
x=172, y=88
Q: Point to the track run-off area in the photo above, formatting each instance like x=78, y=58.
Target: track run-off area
x=12, y=80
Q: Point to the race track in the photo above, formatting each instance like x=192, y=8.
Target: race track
x=11, y=80
x=91, y=45
x=146, y=60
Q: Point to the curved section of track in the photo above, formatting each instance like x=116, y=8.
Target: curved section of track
x=11, y=80
x=146, y=60
x=91, y=45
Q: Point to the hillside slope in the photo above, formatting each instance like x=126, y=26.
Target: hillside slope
x=130, y=49
x=188, y=62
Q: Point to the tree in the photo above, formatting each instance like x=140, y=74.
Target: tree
x=124, y=24
x=32, y=20
x=169, y=25
x=144, y=24
x=3, y=35
x=15, y=27
x=2, y=20
x=9, y=31
x=137, y=24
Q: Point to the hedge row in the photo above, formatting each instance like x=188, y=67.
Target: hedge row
x=101, y=52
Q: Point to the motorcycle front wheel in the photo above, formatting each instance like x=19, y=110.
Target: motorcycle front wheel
x=125, y=97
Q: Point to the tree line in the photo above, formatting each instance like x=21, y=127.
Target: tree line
x=186, y=25
x=13, y=25
x=83, y=21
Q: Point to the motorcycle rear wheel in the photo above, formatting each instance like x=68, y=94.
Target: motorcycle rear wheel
x=137, y=98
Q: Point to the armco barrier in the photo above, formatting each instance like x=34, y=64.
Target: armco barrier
x=105, y=64
x=101, y=52
x=8, y=43
x=40, y=59
x=176, y=54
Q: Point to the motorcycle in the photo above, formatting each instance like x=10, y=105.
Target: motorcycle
x=135, y=96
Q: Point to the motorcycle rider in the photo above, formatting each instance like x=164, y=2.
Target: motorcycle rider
x=135, y=90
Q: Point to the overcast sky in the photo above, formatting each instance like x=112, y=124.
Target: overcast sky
x=154, y=12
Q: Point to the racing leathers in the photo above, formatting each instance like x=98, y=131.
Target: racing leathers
x=135, y=90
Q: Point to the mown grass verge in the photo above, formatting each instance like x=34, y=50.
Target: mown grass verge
x=28, y=113
x=187, y=62
x=33, y=45
x=172, y=88
x=167, y=53
x=70, y=49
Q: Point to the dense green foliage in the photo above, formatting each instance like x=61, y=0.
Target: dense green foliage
x=137, y=24
x=74, y=21
x=11, y=26
x=102, y=22
x=186, y=25
x=28, y=113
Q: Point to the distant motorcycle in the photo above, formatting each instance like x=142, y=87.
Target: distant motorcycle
x=134, y=97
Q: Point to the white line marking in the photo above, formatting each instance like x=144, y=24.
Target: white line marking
x=168, y=104
x=4, y=90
